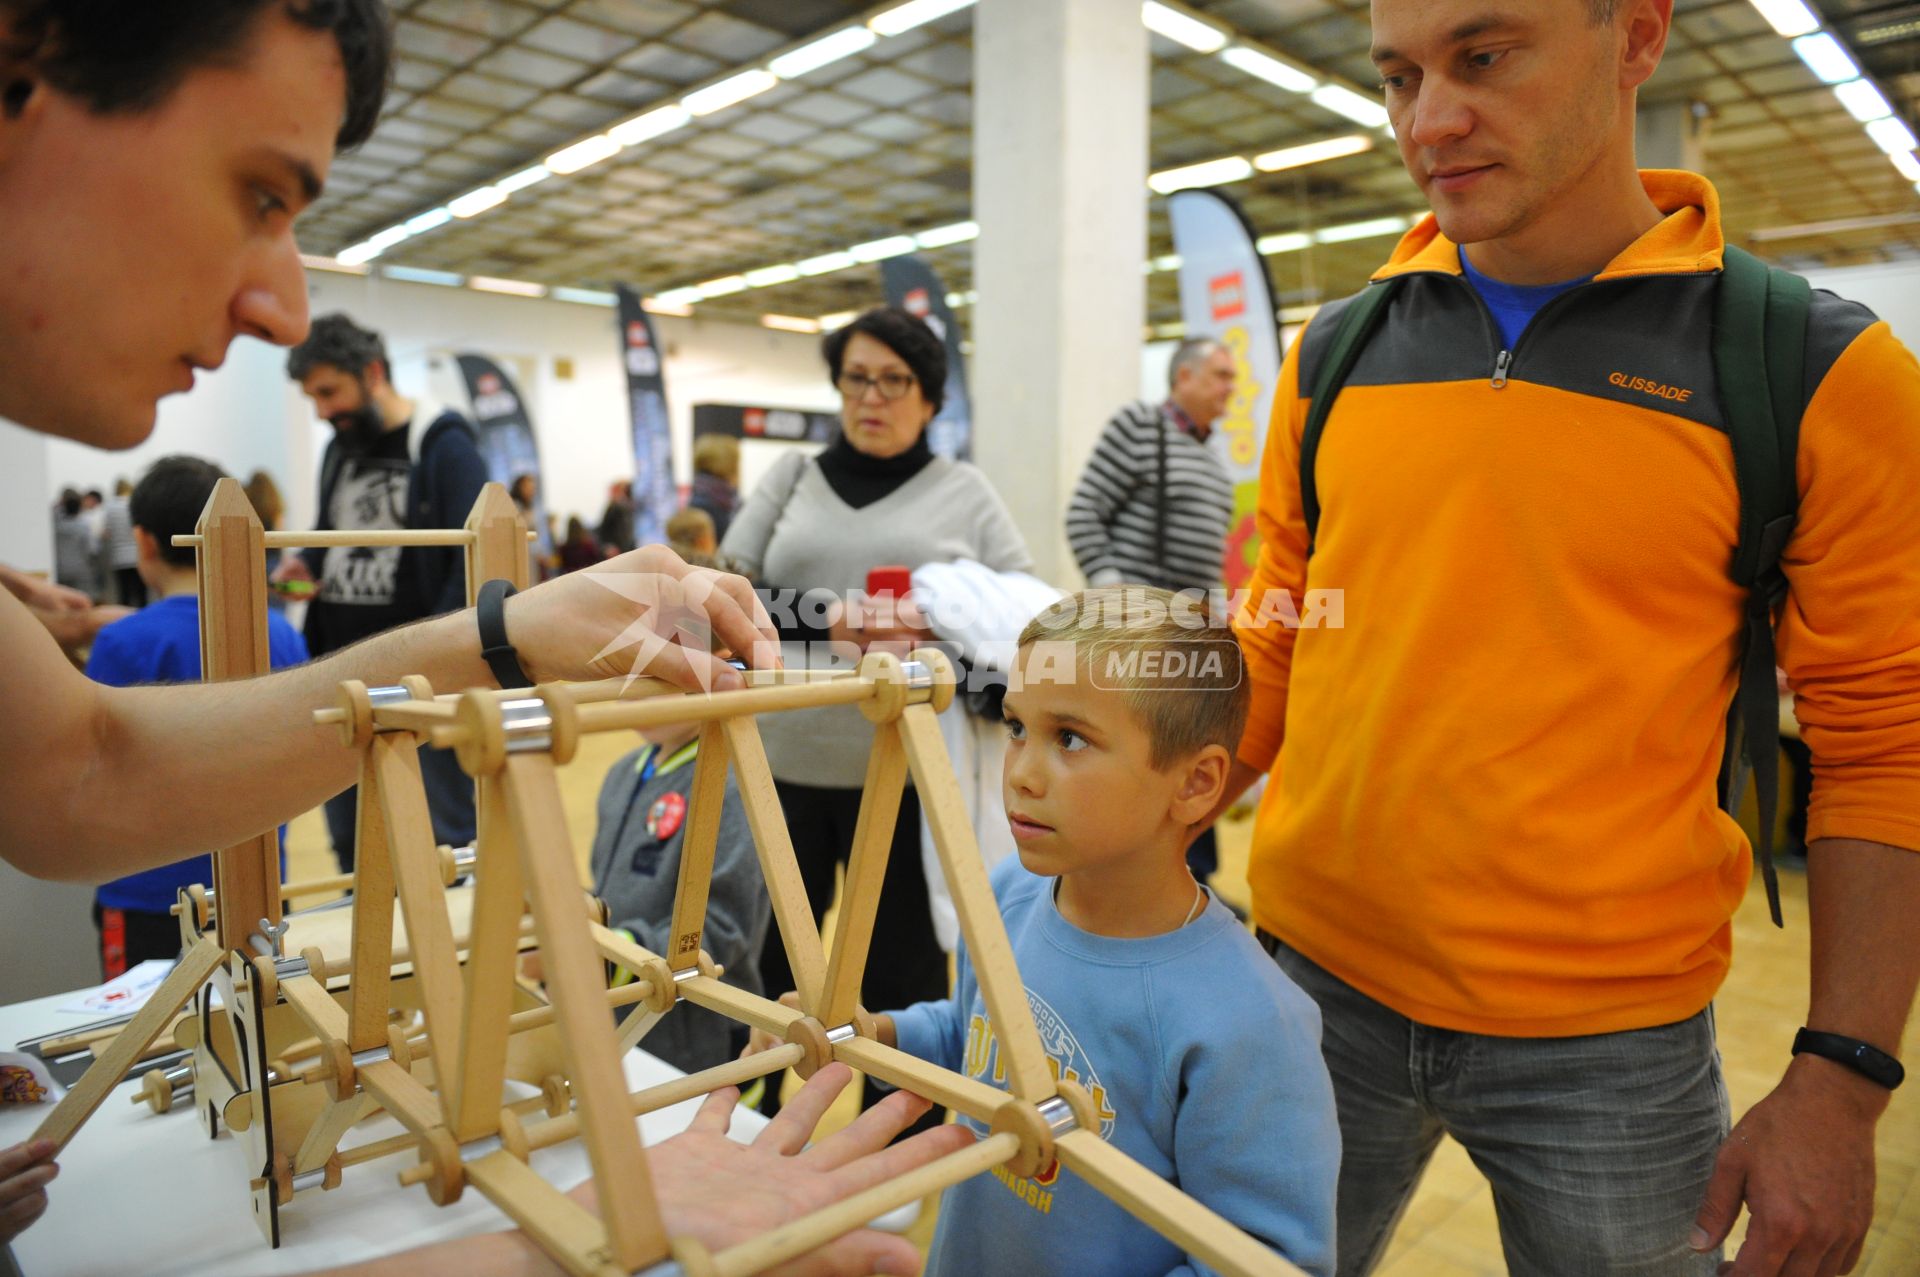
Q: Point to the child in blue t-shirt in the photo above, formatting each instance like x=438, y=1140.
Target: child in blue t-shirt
x=1203, y=1060
x=161, y=644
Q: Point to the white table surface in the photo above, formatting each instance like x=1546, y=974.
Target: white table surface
x=149, y=1194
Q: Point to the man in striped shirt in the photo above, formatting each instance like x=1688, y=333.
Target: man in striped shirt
x=1154, y=503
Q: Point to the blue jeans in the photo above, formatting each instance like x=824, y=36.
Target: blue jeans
x=449, y=802
x=1598, y=1148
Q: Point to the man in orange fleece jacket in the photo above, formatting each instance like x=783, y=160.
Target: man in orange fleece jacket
x=1492, y=849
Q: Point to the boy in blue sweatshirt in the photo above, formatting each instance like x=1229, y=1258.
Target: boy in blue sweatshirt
x=161, y=644
x=1202, y=1059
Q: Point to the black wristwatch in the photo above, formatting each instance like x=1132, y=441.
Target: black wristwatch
x=491, y=609
x=1869, y=1061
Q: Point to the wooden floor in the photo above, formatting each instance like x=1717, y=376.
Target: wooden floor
x=1449, y=1229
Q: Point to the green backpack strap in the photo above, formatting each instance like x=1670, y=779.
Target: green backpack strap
x=1357, y=322
x=1759, y=359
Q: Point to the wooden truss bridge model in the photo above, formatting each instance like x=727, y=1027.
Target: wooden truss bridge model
x=378, y=1012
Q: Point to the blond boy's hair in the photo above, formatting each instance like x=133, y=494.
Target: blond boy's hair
x=1111, y=628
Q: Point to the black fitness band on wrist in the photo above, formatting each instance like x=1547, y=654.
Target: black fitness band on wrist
x=495, y=649
x=1864, y=1058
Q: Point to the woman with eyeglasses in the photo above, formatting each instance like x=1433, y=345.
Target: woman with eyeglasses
x=876, y=496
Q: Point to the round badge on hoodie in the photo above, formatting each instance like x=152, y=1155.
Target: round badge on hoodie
x=666, y=815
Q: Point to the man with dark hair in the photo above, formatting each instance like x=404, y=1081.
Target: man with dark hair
x=161, y=644
x=1491, y=847
x=142, y=237
x=390, y=466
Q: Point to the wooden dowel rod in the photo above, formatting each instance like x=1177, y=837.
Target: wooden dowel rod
x=318, y=540
x=1177, y=1217
x=611, y=716
x=567, y=1126
x=413, y=716
x=407, y=1143
x=910, y=1073
x=821, y=1227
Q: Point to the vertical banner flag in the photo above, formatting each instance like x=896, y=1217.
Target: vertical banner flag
x=1225, y=294
x=912, y=286
x=654, y=497
x=506, y=437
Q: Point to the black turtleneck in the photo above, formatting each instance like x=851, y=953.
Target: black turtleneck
x=859, y=479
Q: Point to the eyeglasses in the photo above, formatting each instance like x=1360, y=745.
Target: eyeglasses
x=892, y=385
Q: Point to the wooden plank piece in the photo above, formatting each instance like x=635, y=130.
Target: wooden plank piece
x=493, y=957
x=697, y=849
x=324, y=1136
x=1166, y=1210
x=792, y=915
x=416, y=869
x=313, y=1004
x=562, y=1227
x=401, y=1094
x=873, y=830
x=1028, y=1075
x=230, y=571
x=107, y=1072
x=578, y=991
x=371, y=995
x=738, y=1004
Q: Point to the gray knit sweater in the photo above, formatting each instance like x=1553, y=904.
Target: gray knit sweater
x=795, y=532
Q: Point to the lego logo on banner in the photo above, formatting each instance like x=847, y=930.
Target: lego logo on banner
x=1229, y=296
x=491, y=399
x=754, y=422
x=637, y=335
x=918, y=304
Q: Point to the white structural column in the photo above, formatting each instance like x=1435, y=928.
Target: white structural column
x=1060, y=104
x=1670, y=135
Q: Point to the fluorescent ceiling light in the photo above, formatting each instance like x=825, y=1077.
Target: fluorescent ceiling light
x=1863, y=100
x=1231, y=168
x=476, y=202
x=1170, y=261
x=1272, y=70
x=725, y=286
x=1290, y=242
x=1165, y=331
x=1827, y=58
x=914, y=13
x=879, y=249
x=822, y=52
x=1788, y=17
x=956, y=300
x=1298, y=314
x=512, y=287
x=732, y=90
x=1344, y=101
x=649, y=125
x=768, y=276
x=1181, y=29
x=414, y=275
x=790, y=323
x=380, y=241
x=524, y=178
x=661, y=306
x=826, y=263
x=583, y=296
x=1892, y=135
x=839, y=319
x=1362, y=230
x=1908, y=165
x=1313, y=152
x=941, y=236
x=333, y=264
x=679, y=297
x=428, y=220
x=583, y=154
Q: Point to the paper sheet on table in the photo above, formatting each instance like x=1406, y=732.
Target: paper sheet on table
x=123, y=994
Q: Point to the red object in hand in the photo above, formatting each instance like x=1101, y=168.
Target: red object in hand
x=889, y=581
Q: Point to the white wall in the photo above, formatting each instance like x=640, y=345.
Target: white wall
x=248, y=415
x=1891, y=291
